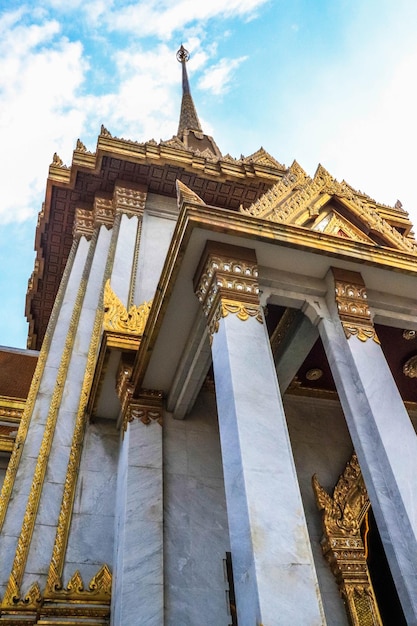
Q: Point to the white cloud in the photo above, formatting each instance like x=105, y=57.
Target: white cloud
x=218, y=77
x=40, y=73
x=161, y=18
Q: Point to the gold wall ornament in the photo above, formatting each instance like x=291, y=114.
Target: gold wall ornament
x=147, y=408
x=98, y=589
x=29, y=519
x=225, y=282
x=342, y=543
x=352, y=305
x=118, y=319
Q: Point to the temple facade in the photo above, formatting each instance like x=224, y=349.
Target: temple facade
x=214, y=422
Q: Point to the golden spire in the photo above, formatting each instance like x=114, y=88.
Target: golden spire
x=188, y=117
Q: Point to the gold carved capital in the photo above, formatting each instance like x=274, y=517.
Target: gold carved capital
x=103, y=212
x=226, y=282
x=130, y=200
x=352, y=305
x=146, y=408
x=83, y=223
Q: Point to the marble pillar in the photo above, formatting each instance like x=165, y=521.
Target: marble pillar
x=380, y=428
x=137, y=596
x=274, y=575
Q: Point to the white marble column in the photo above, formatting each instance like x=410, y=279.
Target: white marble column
x=274, y=576
x=137, y=596
x=381, y=431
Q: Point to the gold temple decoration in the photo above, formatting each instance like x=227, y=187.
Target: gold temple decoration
x=300, y=200
x=147, y=408
x=352, y=305
x=118, y=319
x=410, y=367
x=226, y=282
x=343, y=546
x=130, y=200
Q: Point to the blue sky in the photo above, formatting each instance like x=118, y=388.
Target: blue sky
x=329, y=81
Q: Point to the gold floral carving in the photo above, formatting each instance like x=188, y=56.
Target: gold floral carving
x=352, y=305
x=118, y=319
x=12, y=594
x=227, y=282
x=147, y=408
x=342, y=543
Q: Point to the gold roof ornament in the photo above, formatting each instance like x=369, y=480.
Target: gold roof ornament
x=323, y=204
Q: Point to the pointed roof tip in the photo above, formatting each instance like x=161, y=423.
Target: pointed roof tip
x=188, y=116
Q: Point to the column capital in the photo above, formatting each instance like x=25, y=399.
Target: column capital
x=226, y=281
x=352, y=304
x=147, y=408
x=130, y=200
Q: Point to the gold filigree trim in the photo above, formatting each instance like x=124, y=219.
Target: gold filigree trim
x=118, y=319
x=352, y=305
x=342, y=542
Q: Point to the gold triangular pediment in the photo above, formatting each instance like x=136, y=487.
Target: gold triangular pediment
x=299, y=200
x=331, y=222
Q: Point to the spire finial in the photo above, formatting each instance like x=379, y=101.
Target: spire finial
x=188, y=117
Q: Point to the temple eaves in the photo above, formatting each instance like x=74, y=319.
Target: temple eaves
x=190, y=131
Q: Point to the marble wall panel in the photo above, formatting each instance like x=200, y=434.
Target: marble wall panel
x=321, y=444
x=123, y=258
x=155, y=239
x=196, y=534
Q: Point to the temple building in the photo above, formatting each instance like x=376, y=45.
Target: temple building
x=214, y=422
